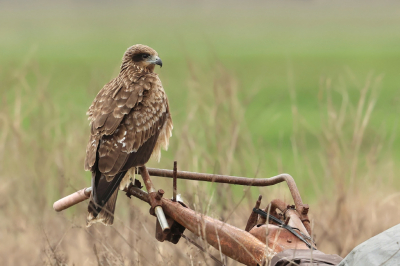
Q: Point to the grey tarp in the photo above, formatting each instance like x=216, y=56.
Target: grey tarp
x=304, y=257
x=382, y=249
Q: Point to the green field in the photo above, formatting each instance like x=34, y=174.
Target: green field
x=248, y=86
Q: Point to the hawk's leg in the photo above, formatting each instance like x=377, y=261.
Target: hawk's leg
x=128, y=179
x=132, y=172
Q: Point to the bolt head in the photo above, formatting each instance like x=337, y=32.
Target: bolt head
x=305, y=209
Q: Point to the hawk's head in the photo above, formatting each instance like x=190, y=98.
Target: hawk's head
x=141, y=57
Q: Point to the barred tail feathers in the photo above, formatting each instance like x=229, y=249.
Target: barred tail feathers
x=106, y=215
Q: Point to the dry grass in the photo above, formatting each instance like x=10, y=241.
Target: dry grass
x=358, y=166
x=349, y=168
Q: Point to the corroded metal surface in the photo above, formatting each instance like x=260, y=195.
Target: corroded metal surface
x=244, y=181
x=301, y=208
x=174, y=176
x=250, y=248
x=232, y=241
x=155, y=199
x=278, y=239
x=302, y=213
x=295, y=222
x=252, y=221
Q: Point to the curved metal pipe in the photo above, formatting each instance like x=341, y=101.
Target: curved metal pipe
x=244, y=181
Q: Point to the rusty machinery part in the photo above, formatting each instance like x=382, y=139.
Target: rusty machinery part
x=301, y=208
x=278, y=238
x=252, y=221
x=286, y=226
x=174, y=176
x=233, y=242
x=155, y=200
x=246, y=247
x=289, y=210
x=176, y=230
x=172, y=235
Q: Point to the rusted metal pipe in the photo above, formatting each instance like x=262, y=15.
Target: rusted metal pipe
x=174, y=174
x=155, y=199
x=278, y=204
x=137, y=193
x=252, y=221
x=234, y=242
x=301, y=208
x=244, y=181
x=146, y=179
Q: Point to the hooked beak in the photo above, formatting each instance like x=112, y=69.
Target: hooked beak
x=156, y=60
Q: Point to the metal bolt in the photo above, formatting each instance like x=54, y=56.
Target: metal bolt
x=289, y=240
x=305, y=209
x=160, y=194
x=174, y=176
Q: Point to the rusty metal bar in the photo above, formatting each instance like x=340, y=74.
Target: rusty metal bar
x=252, y=221
x=174, y=175
x=137, y=193
x=234, y=242
x=146, y=179
x=277, y=203
x=155, y=199
x=302, y=213
x=244, y=181
x=284, y=208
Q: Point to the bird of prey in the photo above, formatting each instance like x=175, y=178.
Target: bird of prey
x=130, y=121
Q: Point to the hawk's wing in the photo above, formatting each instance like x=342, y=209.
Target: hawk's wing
x=124, y=115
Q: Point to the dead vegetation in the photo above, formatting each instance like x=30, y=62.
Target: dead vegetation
x=350, y=170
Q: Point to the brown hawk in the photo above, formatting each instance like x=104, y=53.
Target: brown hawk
x=130, y=121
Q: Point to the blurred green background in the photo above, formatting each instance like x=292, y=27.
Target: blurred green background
x=277, y=51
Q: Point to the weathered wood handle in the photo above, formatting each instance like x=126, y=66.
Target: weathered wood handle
x=72, y=199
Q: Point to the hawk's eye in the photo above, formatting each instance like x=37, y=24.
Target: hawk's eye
x=144, y=56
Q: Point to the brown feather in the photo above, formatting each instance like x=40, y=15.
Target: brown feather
x=106, y=215
x=118, y=164
x=99, y=122
x=91, y=149
x=109, y=151
x=138, y=138
x=132, y=100
x=111, y=124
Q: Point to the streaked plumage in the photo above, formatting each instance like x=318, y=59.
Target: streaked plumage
x=130, y=121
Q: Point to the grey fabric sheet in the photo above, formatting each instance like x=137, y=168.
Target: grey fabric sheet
x=304, y=257
x=382, y=249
